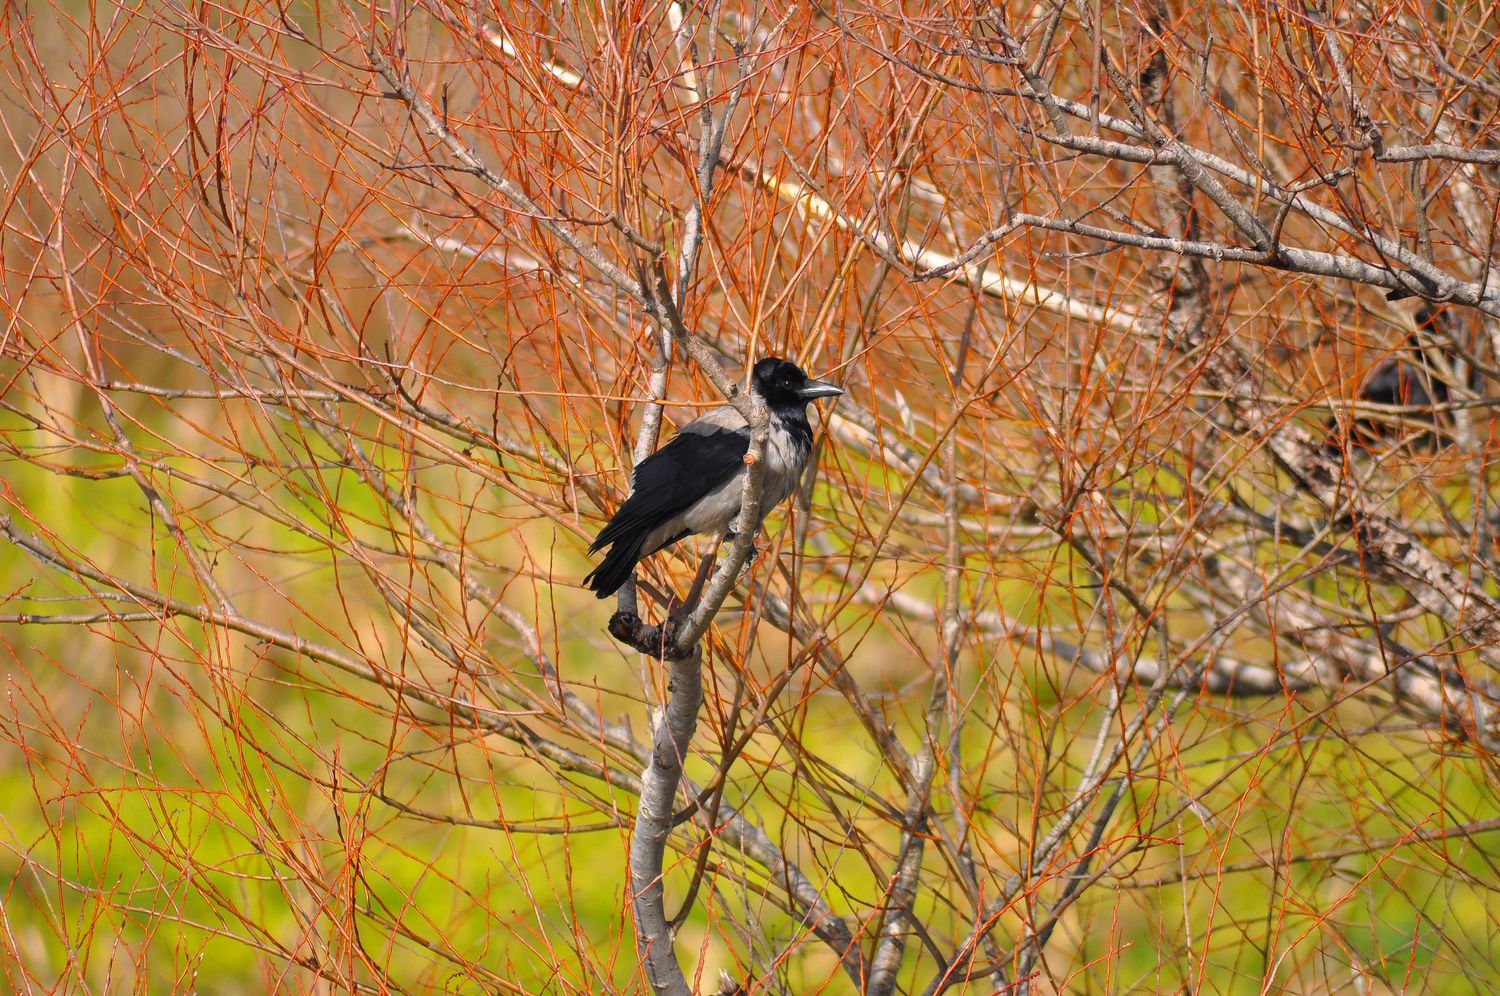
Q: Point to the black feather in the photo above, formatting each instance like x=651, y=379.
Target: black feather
x=666, y=484
x=1402, y=379
x=617, y=566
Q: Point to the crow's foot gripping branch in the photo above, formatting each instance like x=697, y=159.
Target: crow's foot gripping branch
x=750, y=560
x=661, y=641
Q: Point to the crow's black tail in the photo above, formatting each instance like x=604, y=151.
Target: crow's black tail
x=617, y=566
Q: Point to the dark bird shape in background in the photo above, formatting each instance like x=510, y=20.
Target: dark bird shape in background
x=1408, y=380
x=693, y=484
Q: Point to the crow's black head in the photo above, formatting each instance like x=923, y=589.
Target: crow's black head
x=783, y=384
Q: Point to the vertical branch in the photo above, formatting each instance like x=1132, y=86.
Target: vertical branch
x=653, y=825
x=662, y=303
x=900, y=915
x=674, y=730
x=645, y=440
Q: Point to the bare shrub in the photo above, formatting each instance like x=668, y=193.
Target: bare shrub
x=1124, y=636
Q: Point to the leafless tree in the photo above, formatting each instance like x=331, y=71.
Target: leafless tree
x=1135, y=628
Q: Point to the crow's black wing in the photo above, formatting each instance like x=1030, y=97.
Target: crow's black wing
x=701, y=457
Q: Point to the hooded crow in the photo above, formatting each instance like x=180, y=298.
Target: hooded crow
x=693, y=484
x=1406, y=378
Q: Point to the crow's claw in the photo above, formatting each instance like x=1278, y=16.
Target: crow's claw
x=667, y=635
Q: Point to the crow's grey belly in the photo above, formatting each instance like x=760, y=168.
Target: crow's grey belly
x=715, y=512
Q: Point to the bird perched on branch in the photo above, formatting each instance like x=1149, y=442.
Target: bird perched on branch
x=1408, y=378
x=694, y=483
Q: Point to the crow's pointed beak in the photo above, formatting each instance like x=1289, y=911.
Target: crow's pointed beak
x=819, y=389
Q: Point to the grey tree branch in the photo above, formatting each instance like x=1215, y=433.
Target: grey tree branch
x=401, y=84
x=653, y=824
x=900, y=916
